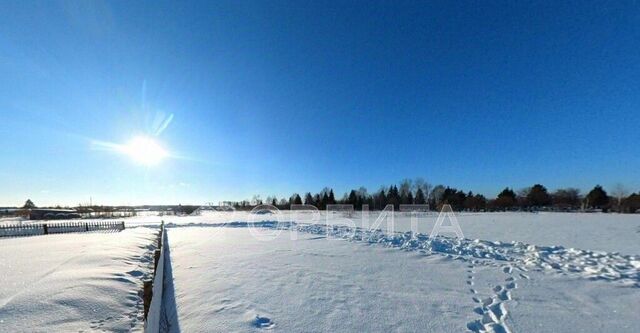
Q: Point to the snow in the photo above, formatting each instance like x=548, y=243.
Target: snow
x=587, y=231
x=225, y=280
x=590, y=231
x=513, y=272
x=239, y=277
x=74, y=282
x=12, y=220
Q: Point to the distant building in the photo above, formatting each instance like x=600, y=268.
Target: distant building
x=53, y=214
x=8, y=211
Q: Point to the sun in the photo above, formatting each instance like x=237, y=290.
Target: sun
x=144, y=150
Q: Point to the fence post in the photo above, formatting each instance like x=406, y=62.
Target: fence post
x=156, y=258
x=146, y=296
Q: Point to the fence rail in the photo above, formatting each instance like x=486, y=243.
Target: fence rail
x=29, y=229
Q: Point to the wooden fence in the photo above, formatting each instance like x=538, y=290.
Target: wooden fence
x=29, y=229
x=153, y=289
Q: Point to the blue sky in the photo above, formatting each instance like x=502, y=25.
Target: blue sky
x=280, y=97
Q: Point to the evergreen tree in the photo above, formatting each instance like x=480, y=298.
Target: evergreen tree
x=353, y=198
x=475, y=202
x=410, y=199
x=393, y=198
x=631, y=204
x=420, y=199
x=453, y=197
x=506, y=199
x=598, y=198
x=405, y=189
x=325, y=200
x=332, y=198
x=481, y=202
x=308, y=199
x=370, y=202
x=470, y=202
x=538, y=196
x=381, y=199
x=29, y=204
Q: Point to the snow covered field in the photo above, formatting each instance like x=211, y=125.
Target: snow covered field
x=587, y=231
x=513, y=272
x=229, y=279
x=225, y=279
x=78, y=282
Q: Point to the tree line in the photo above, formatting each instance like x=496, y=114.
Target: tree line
x=420, y=192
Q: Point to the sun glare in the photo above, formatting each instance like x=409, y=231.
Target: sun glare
x=145, y=150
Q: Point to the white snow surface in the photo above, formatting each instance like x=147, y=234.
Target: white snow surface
x=79, y=282
x=227, y=281
x=246, y=277
x=586, y=231
x=513, y=272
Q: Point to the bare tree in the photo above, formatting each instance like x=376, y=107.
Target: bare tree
x=325, y=190
x=567, y=197
x=522, y=197
x=619, y=192
x=405, y=187
x=420, y=184
x=362, y=192
x=436, y=193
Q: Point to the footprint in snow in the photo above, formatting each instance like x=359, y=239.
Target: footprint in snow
x=264, y=322
x=493, y=309
x=135, y=273
x=504, y=295
x=470, y=276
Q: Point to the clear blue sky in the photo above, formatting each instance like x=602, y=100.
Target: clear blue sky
x=280, y=97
